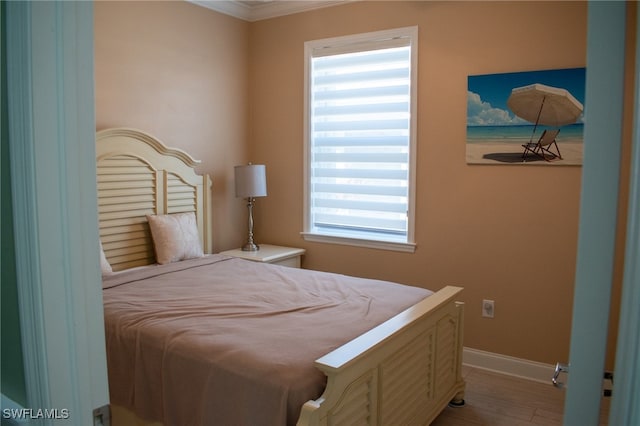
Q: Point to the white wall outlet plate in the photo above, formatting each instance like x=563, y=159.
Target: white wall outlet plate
x=488, y=308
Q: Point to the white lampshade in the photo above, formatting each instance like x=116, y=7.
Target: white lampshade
x=251, y=181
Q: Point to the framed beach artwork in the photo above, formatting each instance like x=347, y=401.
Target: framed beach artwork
x=533, y=117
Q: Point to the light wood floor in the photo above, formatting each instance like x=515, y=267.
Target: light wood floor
x=499, y=400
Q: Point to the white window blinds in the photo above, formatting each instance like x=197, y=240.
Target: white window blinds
x=360, y=139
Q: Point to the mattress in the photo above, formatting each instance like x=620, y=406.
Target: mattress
x=221, y=340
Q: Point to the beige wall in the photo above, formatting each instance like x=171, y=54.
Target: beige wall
x=229, y=91
x=179, y=72
x=506, y=233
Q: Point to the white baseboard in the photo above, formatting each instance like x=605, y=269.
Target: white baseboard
x=508, y=365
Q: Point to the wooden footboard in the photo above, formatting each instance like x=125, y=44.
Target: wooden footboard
x=403, y=372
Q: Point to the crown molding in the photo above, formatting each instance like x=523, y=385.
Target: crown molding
x=265, y=10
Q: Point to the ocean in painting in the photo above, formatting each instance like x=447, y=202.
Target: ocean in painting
x=520, y=134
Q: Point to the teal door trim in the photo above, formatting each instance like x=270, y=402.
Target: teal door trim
x=598, y=210
x=21, y=144
x=625, y=409
x=12, y=372
x=52, y=155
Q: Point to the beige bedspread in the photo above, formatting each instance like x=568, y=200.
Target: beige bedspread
x=224, y=341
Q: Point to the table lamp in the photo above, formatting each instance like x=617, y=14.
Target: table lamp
x=251, y=182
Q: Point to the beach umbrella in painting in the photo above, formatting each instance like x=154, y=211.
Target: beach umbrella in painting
x=545, y=105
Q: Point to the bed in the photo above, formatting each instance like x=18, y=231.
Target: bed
x=178, y=333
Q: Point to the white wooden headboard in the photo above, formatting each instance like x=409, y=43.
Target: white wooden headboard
x=138, y=175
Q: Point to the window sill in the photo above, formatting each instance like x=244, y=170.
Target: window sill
x=358, y=242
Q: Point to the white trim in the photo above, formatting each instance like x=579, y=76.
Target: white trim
x=511, y=366
x=266, y=10
x=413, y=135
x=306, y=132
x=384, y=39
x=231, y=8
x=382, y=245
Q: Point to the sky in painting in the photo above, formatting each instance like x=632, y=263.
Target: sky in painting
x=487, y=94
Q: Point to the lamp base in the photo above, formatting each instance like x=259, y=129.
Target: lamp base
x=250, y=246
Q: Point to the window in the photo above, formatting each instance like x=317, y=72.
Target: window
x=360, y=139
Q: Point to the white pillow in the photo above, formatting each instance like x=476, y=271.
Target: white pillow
x=104, y=263
x=175, y=237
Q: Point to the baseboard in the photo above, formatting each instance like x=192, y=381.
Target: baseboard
x=508, y=365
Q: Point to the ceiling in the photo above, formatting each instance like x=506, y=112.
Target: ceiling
x=263, y=9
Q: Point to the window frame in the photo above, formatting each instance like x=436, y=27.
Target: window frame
x=350, y=44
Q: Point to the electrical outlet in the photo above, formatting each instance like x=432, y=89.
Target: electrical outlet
x=488, y=308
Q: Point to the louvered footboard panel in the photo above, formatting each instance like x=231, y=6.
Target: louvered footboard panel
x=447, y=337
x=407, y=381
x=357, y=404
x=403, y=372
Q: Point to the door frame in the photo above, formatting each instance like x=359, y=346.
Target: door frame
x=624, y=406
x=597, y=230
x=52, y=156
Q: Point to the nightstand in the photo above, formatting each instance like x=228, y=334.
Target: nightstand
x=277, y=255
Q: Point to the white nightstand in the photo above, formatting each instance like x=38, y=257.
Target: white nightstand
x=278, y=255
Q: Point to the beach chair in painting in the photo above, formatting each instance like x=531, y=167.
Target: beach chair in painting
x=542, y=148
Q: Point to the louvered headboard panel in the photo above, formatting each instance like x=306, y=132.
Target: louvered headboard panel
x=138, y=175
